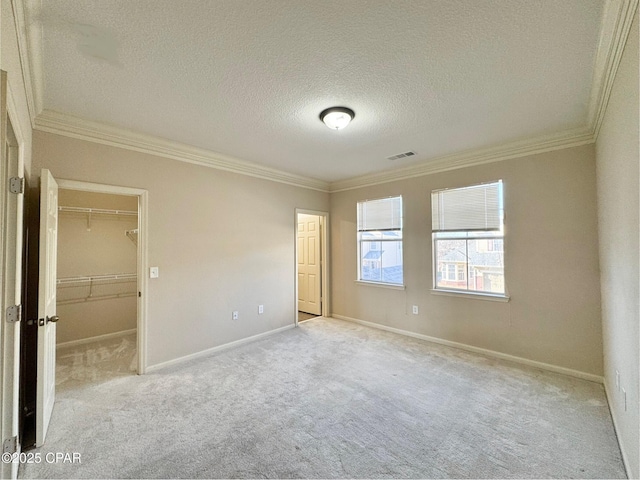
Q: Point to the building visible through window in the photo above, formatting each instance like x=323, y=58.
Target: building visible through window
x=468, y=239
x=380, y=241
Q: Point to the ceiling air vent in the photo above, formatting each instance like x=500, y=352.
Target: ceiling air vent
x=401, y=155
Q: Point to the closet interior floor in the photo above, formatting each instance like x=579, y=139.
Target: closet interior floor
x=96, y=362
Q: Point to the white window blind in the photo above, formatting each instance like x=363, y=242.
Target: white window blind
x=475, y=208
x=380, y=215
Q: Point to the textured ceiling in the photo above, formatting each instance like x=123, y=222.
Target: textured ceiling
x=248, y=79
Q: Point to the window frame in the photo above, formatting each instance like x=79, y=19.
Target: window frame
x=468, y=236
x=380, y=241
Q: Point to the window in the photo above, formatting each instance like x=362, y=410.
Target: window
x=461, y=272
x=451, y=271
x=380, y=241
x=468, y=239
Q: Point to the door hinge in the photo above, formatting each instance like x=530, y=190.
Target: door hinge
x=16, y=185
x=10, y=445
x=14, y=313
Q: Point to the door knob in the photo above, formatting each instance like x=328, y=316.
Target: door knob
x=53, y=319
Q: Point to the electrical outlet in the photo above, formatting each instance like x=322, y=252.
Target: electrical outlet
x=260, y=309
x=415, y=309
x=624, y=399
x=617, y=380
x=235, y=315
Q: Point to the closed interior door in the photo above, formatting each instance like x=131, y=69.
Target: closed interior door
x=309, y=263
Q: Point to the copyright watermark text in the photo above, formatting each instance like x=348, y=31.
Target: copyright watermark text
x=38, y=457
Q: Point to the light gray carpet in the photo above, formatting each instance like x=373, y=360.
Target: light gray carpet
x=330, y=399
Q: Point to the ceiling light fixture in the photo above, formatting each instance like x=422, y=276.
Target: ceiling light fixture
x=337, y=118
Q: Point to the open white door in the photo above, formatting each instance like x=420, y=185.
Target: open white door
x=11, y=211
x=309, y=272
x=46, y=383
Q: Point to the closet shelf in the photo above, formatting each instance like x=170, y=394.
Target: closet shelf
x=114, y=276
x=133, y=235
x=96, y=287
x=97, y=211
x=90, y=212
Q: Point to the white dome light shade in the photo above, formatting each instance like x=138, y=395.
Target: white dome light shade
x=337, y=117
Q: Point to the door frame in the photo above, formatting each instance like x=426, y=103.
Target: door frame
x=142, y=254
x=10, y=357
x=324, y=267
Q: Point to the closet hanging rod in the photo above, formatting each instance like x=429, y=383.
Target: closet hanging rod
x=117, y=276
x=98, y=211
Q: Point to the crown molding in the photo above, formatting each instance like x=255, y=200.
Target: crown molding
x=29, y=39
x=75, y=127
x=616, y=23
x=470, y=158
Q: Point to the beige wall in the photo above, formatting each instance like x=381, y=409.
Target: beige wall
x=79, y=321
x=222, y=242
x=618, y=213
x=102, y=250
x=551, y=263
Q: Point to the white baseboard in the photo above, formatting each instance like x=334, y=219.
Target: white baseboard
x=625, y=458
x=219, y=348
x=106, y=336
x=482, y=351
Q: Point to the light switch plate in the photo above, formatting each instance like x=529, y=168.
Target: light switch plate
x=153, y=272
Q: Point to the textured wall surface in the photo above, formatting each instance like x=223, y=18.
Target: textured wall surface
x=249, y=79
x=551, y=263
x=618, y=171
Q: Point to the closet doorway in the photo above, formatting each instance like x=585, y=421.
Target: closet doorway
x=100, y=287
x=311, y=253
x=96, y=286
x=84, y=281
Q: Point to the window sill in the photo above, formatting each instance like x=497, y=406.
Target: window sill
x=391, y=286
x=478, y=296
